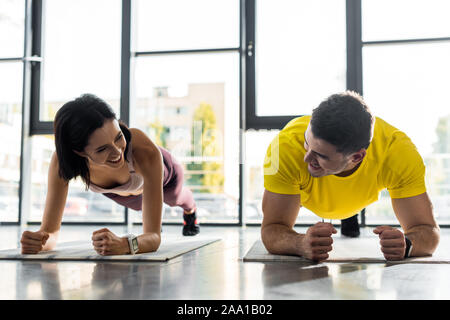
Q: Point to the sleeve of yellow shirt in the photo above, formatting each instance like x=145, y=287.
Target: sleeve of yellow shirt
x=281, y=166
x=403, y=170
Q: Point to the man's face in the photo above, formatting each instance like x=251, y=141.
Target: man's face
x=324, y=160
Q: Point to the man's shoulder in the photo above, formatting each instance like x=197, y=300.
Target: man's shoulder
x=299, y=124
x=389, y=138
x=401, y=167
x=394, y=150
x=284, y=156
x=293, y=133
x=290, y=140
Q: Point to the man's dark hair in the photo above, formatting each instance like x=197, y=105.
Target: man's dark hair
x=345, y=121
x=74, y=123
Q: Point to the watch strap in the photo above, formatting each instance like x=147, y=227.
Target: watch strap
x=408, y=247
x=132, y=243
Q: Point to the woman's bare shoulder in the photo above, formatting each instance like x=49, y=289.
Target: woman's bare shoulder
x=143, y=147
x=140, y=139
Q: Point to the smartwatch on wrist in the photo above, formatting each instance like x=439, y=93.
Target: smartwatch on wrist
x=133, y=243
x=408, y=247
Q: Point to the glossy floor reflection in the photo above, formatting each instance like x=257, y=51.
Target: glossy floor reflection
x=215, y=272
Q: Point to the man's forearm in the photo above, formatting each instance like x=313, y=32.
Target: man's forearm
x=424, y=238
x=280, y=239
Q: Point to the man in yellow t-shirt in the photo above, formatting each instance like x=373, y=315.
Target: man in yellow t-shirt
x=335, y=163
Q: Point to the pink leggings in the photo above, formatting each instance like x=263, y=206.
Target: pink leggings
x=175, y=194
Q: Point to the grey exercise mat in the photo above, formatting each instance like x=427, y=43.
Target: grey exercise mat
x=361, y=250
x=81, y=250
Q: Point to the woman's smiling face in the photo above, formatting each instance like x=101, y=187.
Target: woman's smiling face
x=106, y=146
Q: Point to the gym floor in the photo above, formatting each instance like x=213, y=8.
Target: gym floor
x=214, y=272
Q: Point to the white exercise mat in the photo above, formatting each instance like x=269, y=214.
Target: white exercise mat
x=361, y=250
x=81, y=250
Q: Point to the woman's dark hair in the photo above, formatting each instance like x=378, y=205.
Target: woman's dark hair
x=73, y=125
x=345, y=121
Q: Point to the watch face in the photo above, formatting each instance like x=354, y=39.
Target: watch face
x=135, y=244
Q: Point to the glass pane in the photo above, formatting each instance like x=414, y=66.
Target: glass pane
x=180, y=24
x=81, y=205
x=189, y=104
x=256, y=143
x=405, y=19
x=407, y=86
x=10, y=131
x=300, y=60
x=81, y=57
x=12, y=21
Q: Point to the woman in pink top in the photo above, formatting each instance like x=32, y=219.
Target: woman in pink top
x=121, y=163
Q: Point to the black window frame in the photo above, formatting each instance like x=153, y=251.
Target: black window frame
x=353, y=74
x=252, y=120
x=238, y=49
x=354, y=64
x=38, y=127
x=31, y=99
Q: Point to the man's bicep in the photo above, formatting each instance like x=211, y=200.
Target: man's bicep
x=280, y=208
x=414, y=211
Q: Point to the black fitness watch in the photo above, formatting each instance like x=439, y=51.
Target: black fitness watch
x=408, y=247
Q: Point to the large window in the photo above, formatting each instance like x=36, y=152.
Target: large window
x=185, y=93
x=256, y=143
x=406, y=72
x=81, y=43
x=10, y=126
x=11, y=70
x=162, y=25
x=299, y=61
x=199, y=76
x=384, y=20
x=12, y=25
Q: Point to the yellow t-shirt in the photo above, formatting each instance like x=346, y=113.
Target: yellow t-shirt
x=392, y=161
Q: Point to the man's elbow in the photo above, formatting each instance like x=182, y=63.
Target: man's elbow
x=270, y=237
x=431, y=242
x=435, y=236
x=266, y=238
